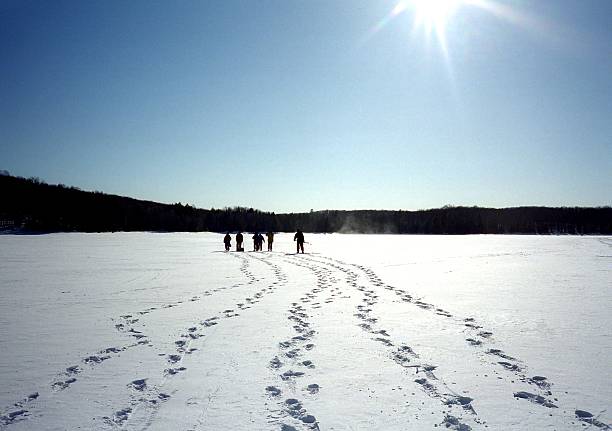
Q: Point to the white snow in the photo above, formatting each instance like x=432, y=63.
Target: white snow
x=161, y=331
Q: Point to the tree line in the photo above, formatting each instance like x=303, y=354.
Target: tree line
x=31, y=205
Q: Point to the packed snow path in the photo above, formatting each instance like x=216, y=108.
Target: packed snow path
x=208, y=340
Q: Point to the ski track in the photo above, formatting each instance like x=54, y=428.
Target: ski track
x=143, y=394
x=402, y=354
x=280, y=280
x=144, y=408
x=477, y=337
x=291, y=365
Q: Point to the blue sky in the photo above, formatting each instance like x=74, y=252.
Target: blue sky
x=293, y=105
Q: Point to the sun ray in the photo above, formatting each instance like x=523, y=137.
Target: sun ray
x=431, y=17
x=532, y=23
x=397, y=10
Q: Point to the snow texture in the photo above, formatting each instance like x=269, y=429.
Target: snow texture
x=152, y=331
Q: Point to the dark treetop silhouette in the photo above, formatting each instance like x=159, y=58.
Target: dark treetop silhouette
x=31, y=205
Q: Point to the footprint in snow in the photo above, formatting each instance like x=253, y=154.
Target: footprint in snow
x=500, y=353
x=308, y=419
x=61, y=385
x=180, y=343
x=588, y=417
x=14, y=416
x=208, y=323
x=95, y=359
x=74, y=369
x=313, y=388
x=273, y=390
x=539, y=381
x=291, y=374
x=174, y=358
x=536, y=399
x=400, y=358
x=510, y=367
x=425, y=384
x=308, y=364
x=365, y=326
x=139, y=384
x=428, y=368
x=295, y=409
x=20, y=414
x=459, y=400
x=292, y=353
x=406, y=349
x=122, y=415
x=473, y=342
x=465, y=402
x=275, y=363
x=453, y=423
x=384, y=341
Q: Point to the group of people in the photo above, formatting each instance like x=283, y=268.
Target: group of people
x=258, y=241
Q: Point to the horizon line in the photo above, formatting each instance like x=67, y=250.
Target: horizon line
x=35, y=179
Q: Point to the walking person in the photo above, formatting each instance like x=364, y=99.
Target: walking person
x=261, y=240
x=227, y=240
x=239, y=239
x=257, y=241
x=299, y=237
x=270, y=236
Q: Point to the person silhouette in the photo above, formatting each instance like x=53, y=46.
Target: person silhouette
x=239, y=239
x=270, y=236
x=257, y=241
x=299, y=237
x=260, y=240
x=227, y=240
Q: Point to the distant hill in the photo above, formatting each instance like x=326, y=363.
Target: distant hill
x=30, y=205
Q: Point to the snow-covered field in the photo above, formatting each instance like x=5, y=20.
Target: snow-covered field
x=167, y=332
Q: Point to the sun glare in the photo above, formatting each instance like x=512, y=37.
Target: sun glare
x=435, y=12
x=432, y=14
x=431, y=17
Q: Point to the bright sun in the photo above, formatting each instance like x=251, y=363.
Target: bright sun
x=429, y=14
x=431, y=17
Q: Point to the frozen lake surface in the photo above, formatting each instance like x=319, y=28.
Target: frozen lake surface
x=153, y=331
